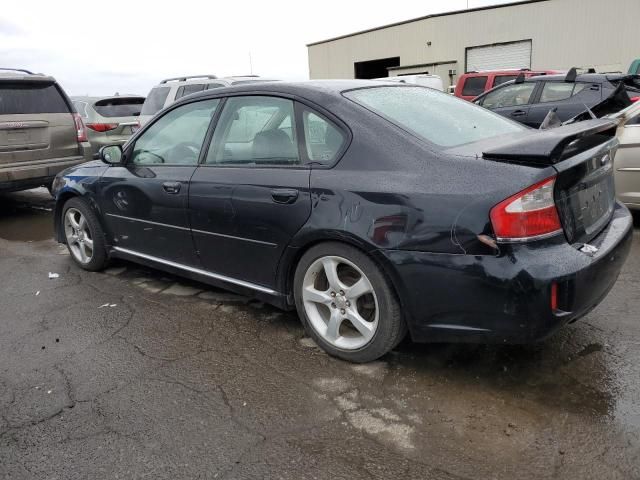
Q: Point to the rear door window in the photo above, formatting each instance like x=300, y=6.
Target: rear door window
x=189, y=89
x=155, y=101
x=31, y=98
x=323, y=139
x=500, y=79
x=119, y=107
x=509, y=96
x=474, y=86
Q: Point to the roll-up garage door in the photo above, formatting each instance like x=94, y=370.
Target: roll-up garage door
x=500, y=56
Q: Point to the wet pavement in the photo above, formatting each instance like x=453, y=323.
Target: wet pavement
x=132, y=373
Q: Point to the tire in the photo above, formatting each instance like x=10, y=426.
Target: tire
x=327, y=306
x=87, y=229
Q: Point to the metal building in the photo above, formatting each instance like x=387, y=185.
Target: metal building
x=536, y=34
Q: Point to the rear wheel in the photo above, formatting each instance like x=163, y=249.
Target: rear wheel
x=84, y=235
x=346, y=304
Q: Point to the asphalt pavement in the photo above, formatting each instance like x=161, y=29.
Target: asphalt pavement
x=132, y=373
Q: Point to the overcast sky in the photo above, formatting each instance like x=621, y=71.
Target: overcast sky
x=128, y=46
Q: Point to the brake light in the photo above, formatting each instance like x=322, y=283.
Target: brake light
x=81, y=132
x=102, y=127
x=527, y=215
x=634, y=99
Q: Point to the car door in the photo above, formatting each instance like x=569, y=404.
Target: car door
x=568, y=98
x=511, y=101
x=251, y=194
x=145, y=200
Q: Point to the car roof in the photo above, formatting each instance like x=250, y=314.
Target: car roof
x=23, y=75
x=311, y=89
x=90, y=98
x=583, y=77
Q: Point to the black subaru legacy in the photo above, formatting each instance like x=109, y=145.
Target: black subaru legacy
x=373, y=209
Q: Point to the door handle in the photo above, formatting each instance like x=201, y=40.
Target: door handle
x=518, y=113
x=171, y=187
x=284, y=195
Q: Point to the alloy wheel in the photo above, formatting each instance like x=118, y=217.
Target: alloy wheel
x=340, y=302
x=78, y=234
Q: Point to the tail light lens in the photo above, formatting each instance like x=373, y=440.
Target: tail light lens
x=102, y=127
x=528, y=215
x=81, y=132
x=634, y=99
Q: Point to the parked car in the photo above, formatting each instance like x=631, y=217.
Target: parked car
x=40, y=133
x=172, y=89
x=627, y=162
x=528, y=100
x=109, y=120
x=634, y=68
x=372, y=208
x=430, y=81
x=472, y=84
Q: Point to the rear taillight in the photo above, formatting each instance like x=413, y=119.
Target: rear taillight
x=634, y=99
x=102, y=127
x=81, y=133
x=528, y=215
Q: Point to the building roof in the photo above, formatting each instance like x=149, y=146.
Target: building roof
x=444, y=14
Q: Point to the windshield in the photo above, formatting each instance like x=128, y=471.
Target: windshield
x=433, y=116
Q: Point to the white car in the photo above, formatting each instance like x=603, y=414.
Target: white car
x=430, y=81
x=627, y=159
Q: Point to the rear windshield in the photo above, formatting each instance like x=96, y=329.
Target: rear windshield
x=119, y=107
x=155, y=101
x=433, y=116
x=17, y=98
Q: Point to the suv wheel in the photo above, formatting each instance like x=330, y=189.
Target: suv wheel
x=84, y=235
x=346, y=304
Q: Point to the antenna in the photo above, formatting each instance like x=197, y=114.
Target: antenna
x=250, y=64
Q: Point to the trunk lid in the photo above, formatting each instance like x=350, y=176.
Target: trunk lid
x=582, y=154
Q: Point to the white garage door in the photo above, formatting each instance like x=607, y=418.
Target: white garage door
x=499, y=57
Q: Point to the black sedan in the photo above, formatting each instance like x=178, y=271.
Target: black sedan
x=372, y=209
x=529, y=100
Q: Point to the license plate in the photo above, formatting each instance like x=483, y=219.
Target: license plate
x=596, y=203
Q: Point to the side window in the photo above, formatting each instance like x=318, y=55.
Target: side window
x=500, y=79
x=253, y=131
x=211, y=86
x=509, y=96
x=176, y=138
x=81, y=108
x=189, y=89
x=322, y=138
x=557, y=91
x=474, y=86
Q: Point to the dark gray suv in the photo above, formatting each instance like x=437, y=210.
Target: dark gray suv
x=40, y=133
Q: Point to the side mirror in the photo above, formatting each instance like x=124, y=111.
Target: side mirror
x=111, y=154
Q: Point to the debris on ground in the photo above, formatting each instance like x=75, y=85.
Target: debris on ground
x=54, y=275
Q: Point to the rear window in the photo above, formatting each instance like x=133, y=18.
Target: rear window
x=155, y=101
x=119, y=107
x=474, y=86
x=17, y=98
x=433, y=116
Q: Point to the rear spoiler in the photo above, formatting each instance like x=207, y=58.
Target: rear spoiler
x=548, y=147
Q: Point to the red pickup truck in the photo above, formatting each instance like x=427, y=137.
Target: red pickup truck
x=472, y=84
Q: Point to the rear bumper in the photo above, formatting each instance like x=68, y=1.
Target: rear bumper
x=507, y=298
x=39, y=172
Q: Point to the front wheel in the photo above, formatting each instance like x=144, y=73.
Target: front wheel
x=84, y=235
x=346, y=304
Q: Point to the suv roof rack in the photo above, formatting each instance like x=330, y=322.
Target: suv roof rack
x=17, y=70
x=188, y=77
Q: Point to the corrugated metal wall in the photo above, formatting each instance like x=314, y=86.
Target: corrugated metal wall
x=564, y=33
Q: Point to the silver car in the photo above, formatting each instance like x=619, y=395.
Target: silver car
x=627, y=160
x=109, y=120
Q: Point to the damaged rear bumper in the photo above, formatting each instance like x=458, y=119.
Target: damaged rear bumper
x=507, y=298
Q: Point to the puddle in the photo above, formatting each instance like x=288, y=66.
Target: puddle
x=26, y=216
